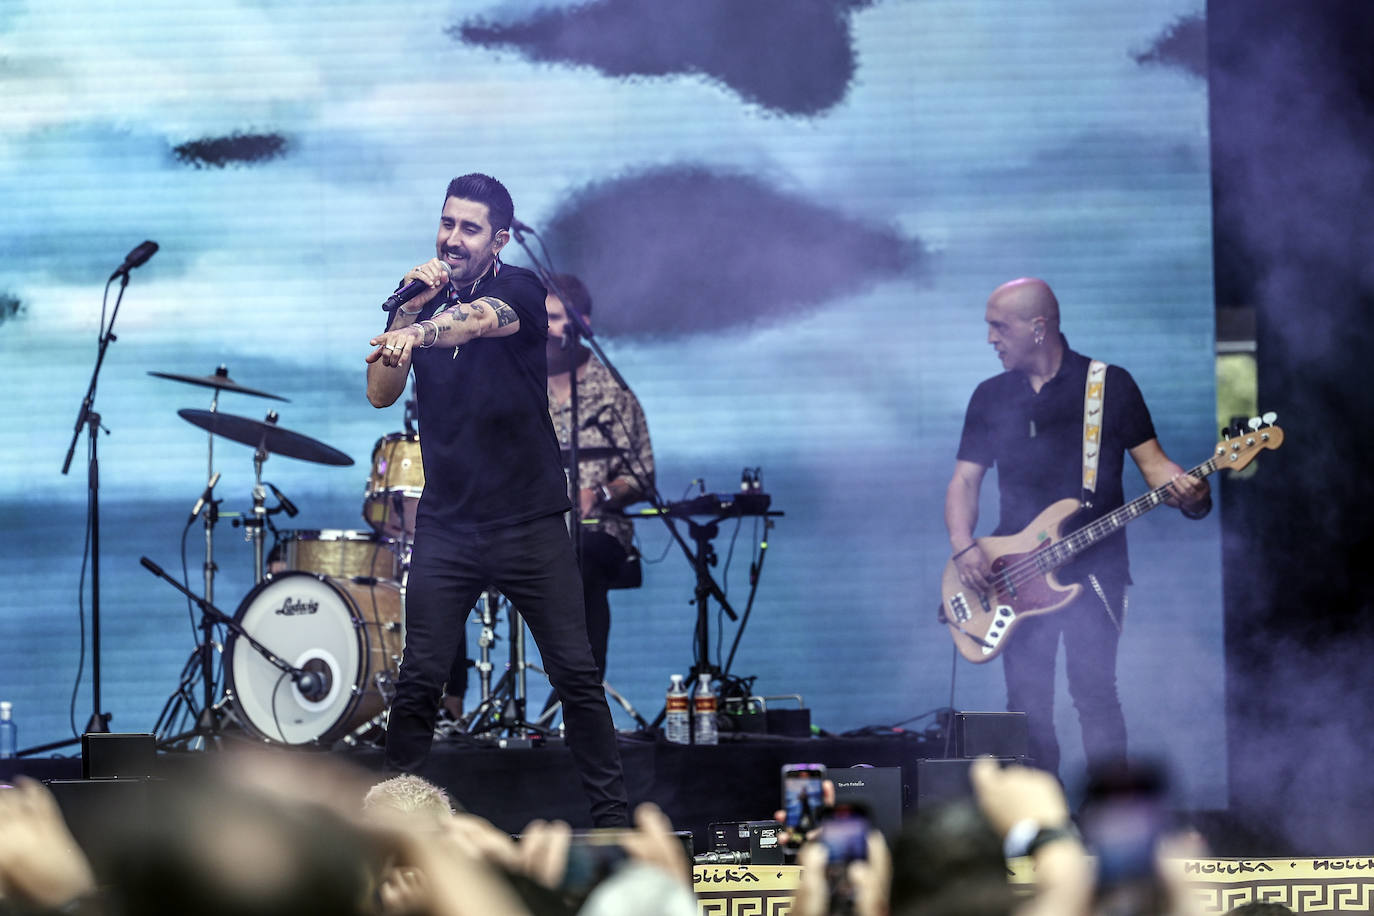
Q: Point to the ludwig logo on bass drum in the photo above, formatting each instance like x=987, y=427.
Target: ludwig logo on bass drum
x=290, y=608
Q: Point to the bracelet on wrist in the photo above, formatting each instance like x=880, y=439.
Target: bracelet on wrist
x=426, y=327
x=964, y=551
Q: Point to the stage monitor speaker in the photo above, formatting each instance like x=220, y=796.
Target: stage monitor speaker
x=991, y=734
x=879, y=789
x=940, y=780
x=116, y=756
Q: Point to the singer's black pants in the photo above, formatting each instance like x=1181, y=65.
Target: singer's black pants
x=533, y=565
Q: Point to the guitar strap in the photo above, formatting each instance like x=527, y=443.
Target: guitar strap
x=1094, y=393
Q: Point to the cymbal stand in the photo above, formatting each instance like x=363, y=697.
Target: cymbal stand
x=253, y=527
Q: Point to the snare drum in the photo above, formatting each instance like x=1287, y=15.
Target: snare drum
x=348, y=635
x=394, y=485
x=341, y=554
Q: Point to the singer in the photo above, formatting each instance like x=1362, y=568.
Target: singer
x=492, y=510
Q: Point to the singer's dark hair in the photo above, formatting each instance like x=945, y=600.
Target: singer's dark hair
x=485, y=190
x=576, y=292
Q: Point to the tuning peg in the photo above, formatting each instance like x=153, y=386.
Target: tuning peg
x=1269, y=418
x=1254, y=423
x=1226, y=432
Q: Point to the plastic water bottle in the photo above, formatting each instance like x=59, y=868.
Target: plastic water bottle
x=704, y=711
x=9, y=732
x=677, y=720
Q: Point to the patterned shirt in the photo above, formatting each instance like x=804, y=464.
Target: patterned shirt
x=620, y=415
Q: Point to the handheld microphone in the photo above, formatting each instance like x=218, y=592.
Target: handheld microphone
x=287, y=505
x=405, y=294
x=204, y=498
x=136, y=258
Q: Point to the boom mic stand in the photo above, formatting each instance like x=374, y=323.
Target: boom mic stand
x=306, y=682
x=87, y=417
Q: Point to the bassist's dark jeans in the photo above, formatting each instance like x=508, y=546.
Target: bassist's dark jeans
x=533, y=565
x=1090, y=641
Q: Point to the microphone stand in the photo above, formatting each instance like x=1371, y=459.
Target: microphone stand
x=99, y=721
x=216, y=616
x=578, y=329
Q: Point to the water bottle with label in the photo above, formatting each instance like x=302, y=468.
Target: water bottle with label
x=677, y=718
x=9, y=732
x=704, y=711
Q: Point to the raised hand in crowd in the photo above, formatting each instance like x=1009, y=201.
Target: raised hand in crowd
x=40, y=862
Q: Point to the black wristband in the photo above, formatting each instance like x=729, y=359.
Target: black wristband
x=964, y=551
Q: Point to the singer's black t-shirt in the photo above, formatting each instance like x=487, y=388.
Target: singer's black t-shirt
x=490, y=454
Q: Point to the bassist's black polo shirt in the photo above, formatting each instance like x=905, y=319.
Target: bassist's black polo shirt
x=1035, y=441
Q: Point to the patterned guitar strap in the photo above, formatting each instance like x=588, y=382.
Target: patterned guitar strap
x=1094, y=393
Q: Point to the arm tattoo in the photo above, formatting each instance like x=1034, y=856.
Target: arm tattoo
x=504, y=313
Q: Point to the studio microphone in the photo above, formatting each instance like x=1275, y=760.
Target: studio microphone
x=405, y=294
x=136, y=258
x=518, y=226
x=286, y=504
x=204, y=498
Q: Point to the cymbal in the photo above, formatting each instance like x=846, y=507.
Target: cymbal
x=591, y=453
x=220, y=380
x=267, y=434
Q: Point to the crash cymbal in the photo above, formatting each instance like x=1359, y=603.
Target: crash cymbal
x=591, y=453
x=220, y=380
x=266, y=434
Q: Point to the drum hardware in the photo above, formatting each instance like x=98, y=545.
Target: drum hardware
x=219, y=381
x=267, y=438
x=502, y=708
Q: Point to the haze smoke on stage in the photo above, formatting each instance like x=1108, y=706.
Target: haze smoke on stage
x=1293, y=181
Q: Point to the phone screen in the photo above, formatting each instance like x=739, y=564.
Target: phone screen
x=803, y=794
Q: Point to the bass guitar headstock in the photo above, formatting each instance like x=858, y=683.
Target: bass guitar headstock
x=1239, y=445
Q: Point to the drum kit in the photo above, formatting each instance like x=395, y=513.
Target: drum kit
x=314, y=648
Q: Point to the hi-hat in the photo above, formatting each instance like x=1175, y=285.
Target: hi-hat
x=267, y=435
x=220, y=380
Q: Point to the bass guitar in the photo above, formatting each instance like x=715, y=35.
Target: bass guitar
x=1023, y=564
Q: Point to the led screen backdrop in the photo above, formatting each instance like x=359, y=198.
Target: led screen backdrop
x=789, y=212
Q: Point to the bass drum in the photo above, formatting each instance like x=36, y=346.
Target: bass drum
x=348, y=635
x=394, y=485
